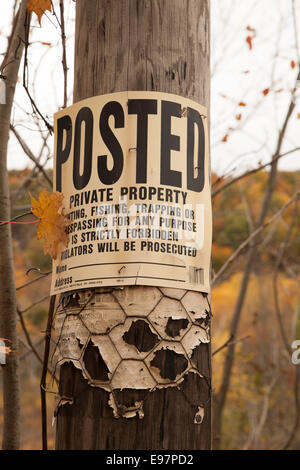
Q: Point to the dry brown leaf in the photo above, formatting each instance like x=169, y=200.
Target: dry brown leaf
x=266, y=91
x=225, y=138
x=250, y=38
x=53, y=224
x=241, y=103
x=249, y=41
x=293, y=64
x=238, y=117
x=39, y=7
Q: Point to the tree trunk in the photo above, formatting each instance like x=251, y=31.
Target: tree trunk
x=148, y=45
x=8, y=310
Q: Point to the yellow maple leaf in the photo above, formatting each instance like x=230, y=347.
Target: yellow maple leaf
x=39, y=7
x=52, y=225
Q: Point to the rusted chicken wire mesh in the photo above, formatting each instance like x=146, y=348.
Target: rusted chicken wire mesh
x=135, y=330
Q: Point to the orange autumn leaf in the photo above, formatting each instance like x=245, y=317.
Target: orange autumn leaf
x=238, y=117
x=52, y=225
x=265, y=91
x=241, y=103
x=298, y=115
x=249, y=41
x=225, y=138
x=293, y=64
x=250, y=38
x=39, y=7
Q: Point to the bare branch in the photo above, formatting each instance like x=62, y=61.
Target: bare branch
x=33, y=281
x=64, y=55
x=44, y=371
x=42, y=299
x=252, y=237
x=30, y=154
x=251, y=172
x=228, y=342
x=12, y=221
x=25, y=78
x=296, y=31
x=27, y=336
x=27, y=353
x=31, y=345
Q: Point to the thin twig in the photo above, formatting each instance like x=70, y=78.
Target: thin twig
x=33, y=280
x=252, y=236
x=42, y=299
x=30, y=351
x=64, y=55
x=54, y=13
x=296, y=31
x=230, y=341
x=44, y=372
x=30, y=343
x=29, y=153
x=27, y=336
x=250, y=172
x=4, y=222
x=25, y=77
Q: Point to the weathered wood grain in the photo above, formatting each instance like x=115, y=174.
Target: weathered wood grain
x=160, y=45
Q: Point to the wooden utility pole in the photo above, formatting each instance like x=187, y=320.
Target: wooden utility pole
x=148, y=45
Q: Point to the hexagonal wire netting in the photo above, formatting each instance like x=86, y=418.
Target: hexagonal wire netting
x=173, y=321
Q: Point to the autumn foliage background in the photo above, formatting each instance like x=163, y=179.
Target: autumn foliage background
x=259, y=364
x=262, y=407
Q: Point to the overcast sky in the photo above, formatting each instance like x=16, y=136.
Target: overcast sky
x=239, y=74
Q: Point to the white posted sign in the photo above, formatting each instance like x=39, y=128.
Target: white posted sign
x=134, y=170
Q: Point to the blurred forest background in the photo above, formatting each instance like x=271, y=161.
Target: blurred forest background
x=260, y=410
x=255, y=131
